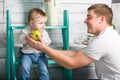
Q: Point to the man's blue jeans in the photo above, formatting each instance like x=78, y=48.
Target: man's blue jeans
x=40, y=60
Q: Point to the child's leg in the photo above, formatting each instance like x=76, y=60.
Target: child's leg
x=42, y=64
x=25, y=66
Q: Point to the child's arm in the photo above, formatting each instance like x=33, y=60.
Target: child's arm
x=22, y=36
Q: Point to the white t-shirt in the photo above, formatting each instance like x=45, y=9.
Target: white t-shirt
x=105, y=49
x=26, y=49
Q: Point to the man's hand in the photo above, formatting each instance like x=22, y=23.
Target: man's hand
x=39, y=45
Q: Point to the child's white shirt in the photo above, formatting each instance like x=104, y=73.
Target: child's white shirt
x=26, y=49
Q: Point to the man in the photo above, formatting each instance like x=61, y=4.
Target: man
x=104, y=51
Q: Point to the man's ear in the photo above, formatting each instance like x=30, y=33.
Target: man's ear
x=102, y=18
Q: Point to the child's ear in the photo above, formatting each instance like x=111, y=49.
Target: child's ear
x=31, y=22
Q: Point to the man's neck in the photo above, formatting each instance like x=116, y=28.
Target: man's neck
x=100, y=29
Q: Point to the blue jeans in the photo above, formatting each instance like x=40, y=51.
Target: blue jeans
x=40, y=60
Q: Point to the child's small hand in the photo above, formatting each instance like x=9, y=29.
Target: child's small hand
x=30, y=34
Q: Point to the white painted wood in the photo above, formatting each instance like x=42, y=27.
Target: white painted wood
x=1, y=17
x=18, y=18
x=1, y=6
x=75, y=8
x=21, y=7
x=86, y=1
x=116, y=14
x=24, y=0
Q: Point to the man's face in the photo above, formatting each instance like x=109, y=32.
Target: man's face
x=93, y=22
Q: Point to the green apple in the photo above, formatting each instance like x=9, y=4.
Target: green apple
x=35, y=34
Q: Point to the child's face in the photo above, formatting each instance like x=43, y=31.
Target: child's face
x=38, y=23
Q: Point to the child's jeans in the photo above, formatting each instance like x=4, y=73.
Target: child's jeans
x=40, y=60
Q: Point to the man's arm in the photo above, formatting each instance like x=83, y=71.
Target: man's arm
x=66, y=58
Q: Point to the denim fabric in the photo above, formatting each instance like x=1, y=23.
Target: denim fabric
x=40, y=60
